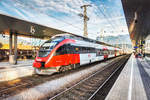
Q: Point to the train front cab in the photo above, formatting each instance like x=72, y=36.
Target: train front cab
x=65, y=55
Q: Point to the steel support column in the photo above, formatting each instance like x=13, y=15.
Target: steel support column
x=10, y=48
x=15, y=48
x=13, y=54
x=10, y=43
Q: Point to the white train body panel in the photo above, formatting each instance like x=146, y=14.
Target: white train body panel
x=89, y=58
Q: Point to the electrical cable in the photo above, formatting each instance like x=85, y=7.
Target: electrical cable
x=31, y=7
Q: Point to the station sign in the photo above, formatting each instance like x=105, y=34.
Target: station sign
x=32, y=29
x=135, y=47
x=141, y=45
x=143, y=42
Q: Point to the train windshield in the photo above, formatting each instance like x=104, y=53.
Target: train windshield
x=47, y=47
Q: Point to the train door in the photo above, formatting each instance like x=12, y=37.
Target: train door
x=105, y=52
x=84, y=56
x=70, y=54
x=74, y=55
x=99, y=54
x=115, y=52
x=67, y=56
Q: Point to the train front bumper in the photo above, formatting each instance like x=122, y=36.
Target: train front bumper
x=41, y=69
x=45, y=71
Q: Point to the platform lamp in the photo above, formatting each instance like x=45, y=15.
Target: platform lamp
x=3, y=34
x=135, y=17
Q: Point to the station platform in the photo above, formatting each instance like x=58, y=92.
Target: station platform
x=134, y=81
x=10, y=72
x=21, y=63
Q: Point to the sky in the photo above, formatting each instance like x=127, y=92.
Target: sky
x=106, y=16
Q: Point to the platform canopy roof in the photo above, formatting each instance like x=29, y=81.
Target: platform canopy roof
x=26, y=28
x=137, y=13
x=29, y=29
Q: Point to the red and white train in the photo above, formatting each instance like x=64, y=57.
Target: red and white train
x=65, y=51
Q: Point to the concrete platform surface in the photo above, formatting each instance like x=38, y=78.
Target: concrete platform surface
x=10, y=72
x=133, y=83
x=5, y=65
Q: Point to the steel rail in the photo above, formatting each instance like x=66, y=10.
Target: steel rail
x=112, y=74
x=113, y=63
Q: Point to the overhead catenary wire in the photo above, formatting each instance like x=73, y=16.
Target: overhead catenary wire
x=108, y=14
x=33, y=8
x=115, y=23
x=106, y=18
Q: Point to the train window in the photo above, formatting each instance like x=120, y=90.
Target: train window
x=112, y=52
x=90, y=50
x=99, y=52
x=87, y=50
x=77, y=48
x=108, y=52
x=69, y=49
x=63, y=50
x=43, y=53
x=59, y=51
x=84, y=49
x=94, y=50
x=102, y=52
x=80, y=49
x=105, y=52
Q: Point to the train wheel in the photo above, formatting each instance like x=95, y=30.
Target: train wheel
x=77, y=65
x=65, y=68
x=36, y=71
x=69, y=67
x=73, y=66
x=61, y=69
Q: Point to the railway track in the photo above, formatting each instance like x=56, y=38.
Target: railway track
x=92, y=87
x=13, y=87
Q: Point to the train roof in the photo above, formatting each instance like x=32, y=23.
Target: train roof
x=110, y=48
x=77, y=37
x=58, y=35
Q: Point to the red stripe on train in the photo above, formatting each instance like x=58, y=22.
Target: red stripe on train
x=65, y=59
